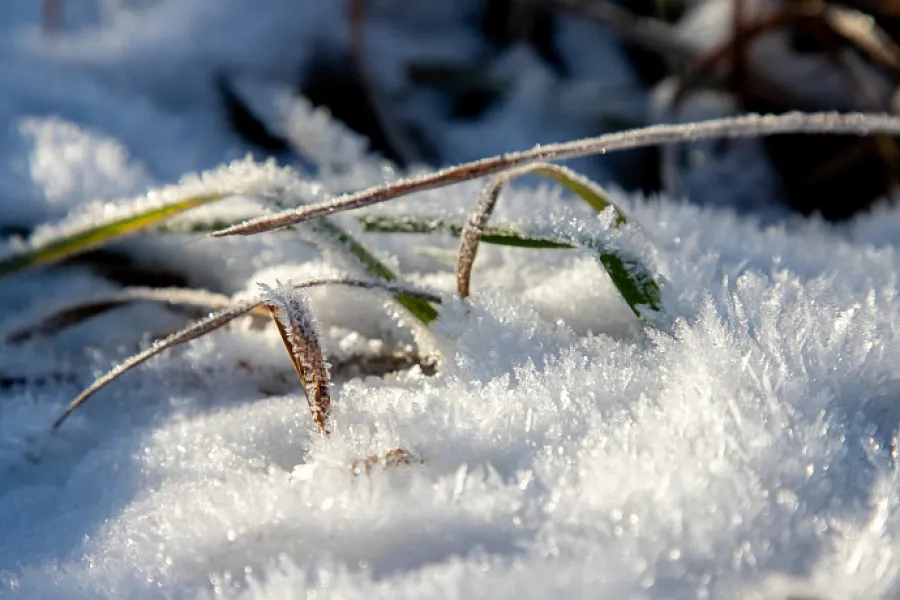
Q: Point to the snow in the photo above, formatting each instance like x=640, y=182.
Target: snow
x=745, y=449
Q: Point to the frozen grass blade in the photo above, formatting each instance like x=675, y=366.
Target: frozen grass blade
x=341, y=239
x=578, y=184
x=200, y=328
x=72, y=244
x=632, y=279
x=500, y=235
x=420, y=308
x=732, y=127
x=82, y=311
x=300, y=334
x=634, y=282
x=216, y=320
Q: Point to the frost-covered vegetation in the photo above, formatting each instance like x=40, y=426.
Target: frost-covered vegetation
x=621, y=397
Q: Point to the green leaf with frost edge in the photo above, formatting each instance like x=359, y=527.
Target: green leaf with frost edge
x=79, y=242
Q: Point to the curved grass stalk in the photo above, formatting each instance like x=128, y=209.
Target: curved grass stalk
x=78, y=242
x=633, y=280
x=732, y=127
x=216, y=320
x=82, y=311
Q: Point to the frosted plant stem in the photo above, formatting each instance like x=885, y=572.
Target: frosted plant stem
x=475, y=225
x=216, y=320
x=731, y=127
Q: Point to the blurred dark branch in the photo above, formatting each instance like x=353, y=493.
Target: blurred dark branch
x=51, y=20
x=392, y=130
x=651, y=34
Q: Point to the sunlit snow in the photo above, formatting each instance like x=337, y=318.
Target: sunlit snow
x=744, y=449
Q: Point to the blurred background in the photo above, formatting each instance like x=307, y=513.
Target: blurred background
x=431, y=83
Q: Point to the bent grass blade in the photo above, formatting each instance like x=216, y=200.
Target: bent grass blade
x=752, y=125
x=419, y=308
x=217, y=320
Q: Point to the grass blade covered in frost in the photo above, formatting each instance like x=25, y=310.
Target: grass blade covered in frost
x=633, y=280
x=731, y=127
x=78, y=242
x=339, y=238
x=631, y=288
x=216, y=320
x=300, y=334
x=417, y=306
x=502, y=235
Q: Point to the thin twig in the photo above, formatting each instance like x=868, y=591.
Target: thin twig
x=750, y=125
x=862, y=30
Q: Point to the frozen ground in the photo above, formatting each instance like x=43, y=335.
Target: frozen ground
x=748, y=451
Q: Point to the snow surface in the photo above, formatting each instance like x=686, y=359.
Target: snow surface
x=747, y=450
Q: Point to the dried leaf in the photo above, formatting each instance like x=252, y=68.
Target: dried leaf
x=398, y=457
x=300, y=334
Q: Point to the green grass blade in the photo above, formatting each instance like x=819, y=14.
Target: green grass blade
x=579, y=185
x=633, y=281
x=420, y=308
x=72, y=244
x=500, y=235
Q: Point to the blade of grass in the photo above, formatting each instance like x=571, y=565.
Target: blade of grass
x=216, y=320
x=632, y=279
x=635, y=283
x=500, y=235
x=417, y=306
x=75, y=243
x=731, y=127
x=341, y=239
